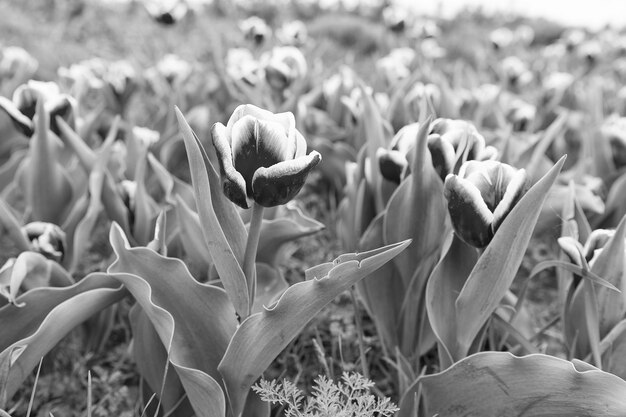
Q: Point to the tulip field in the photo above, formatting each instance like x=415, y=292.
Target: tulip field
x=309, y=209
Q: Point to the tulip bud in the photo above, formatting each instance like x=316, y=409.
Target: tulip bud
x=480, y=198
x=262, y=157
x=47, y=239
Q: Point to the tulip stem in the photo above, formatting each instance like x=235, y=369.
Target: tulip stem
x=249, y=258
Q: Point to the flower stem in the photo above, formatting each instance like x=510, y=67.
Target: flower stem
x=249, y=258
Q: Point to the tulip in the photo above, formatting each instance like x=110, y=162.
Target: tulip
x=445, y=138
x=167, y=12
x=293, y=33
x=283, y=66
x=595, y=243
x=255, y=29
x=480, y=198
x=46, y=238
x=262, y=157
x=55, y=103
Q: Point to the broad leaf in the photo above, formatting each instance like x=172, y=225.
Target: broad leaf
x=194, y=321
x=381, y=290
x=262, y=336
x=226, y=253
x=500, y=384
x=442, y=290
x=47, y=315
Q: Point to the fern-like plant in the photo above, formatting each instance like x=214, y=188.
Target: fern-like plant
x=350, y=397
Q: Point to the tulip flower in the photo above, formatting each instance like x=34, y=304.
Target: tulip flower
x=445, y=138
x=46, y=238
x=595, y=243
x=283, y=66
x=262, y=157
x=255, y=29
x=167, y=12
x=293, y=33
x=55, y=103
x=480, y=198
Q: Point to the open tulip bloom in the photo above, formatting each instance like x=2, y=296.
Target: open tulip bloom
x=480, y=198
x=262, y=157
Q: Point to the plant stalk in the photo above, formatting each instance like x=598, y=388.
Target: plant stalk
x=249, y=258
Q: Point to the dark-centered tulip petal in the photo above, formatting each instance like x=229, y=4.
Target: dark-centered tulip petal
x=64, y=108
x=596, y=241
x=286, y=120
x=22, y=123
x=392, y=164
x=280, y=183
x=256, y=143
x=442, y=154
x=470, y=215
x=490, y=177
x=232, y=181
x=515, y=189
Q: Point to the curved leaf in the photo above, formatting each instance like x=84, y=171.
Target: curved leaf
x=226, y=252
x=262, y=336
x=417, y=210
x=194, y=321
x=29, y=332
x=291, y=224
x=495, y=269
x=442, y=290
x=500, y=384
x=381, y=290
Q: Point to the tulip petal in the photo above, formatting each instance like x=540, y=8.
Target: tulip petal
x=392, y=164
x=470, y=215
x=233, y=182
x=286, y=120
x=280, y=183
x=442, y=154
x=491, y=178
x=257, y=143
x=22, y=123
x=515, y=188
x=300, y=146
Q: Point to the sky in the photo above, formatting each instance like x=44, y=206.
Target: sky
x=593, y=14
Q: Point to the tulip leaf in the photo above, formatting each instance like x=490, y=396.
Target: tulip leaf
x=444, y=284
x=270, y=284
x=372, y=123
x=194, y=321
x=615, y=203
x=151, y=358
x=417, y=210
x=613, y=350
x=227, y=258
x=291, y=224
x=191, y=237
x=171, y=185
x=500, y=384
x=609, y=264
x=146, y=208
x=496, y=268
x=574, y=269
x=381, y=290
x=49, y=191
x=12, y=227
x=111, y=199
x=262, y=336
x=47, y=315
